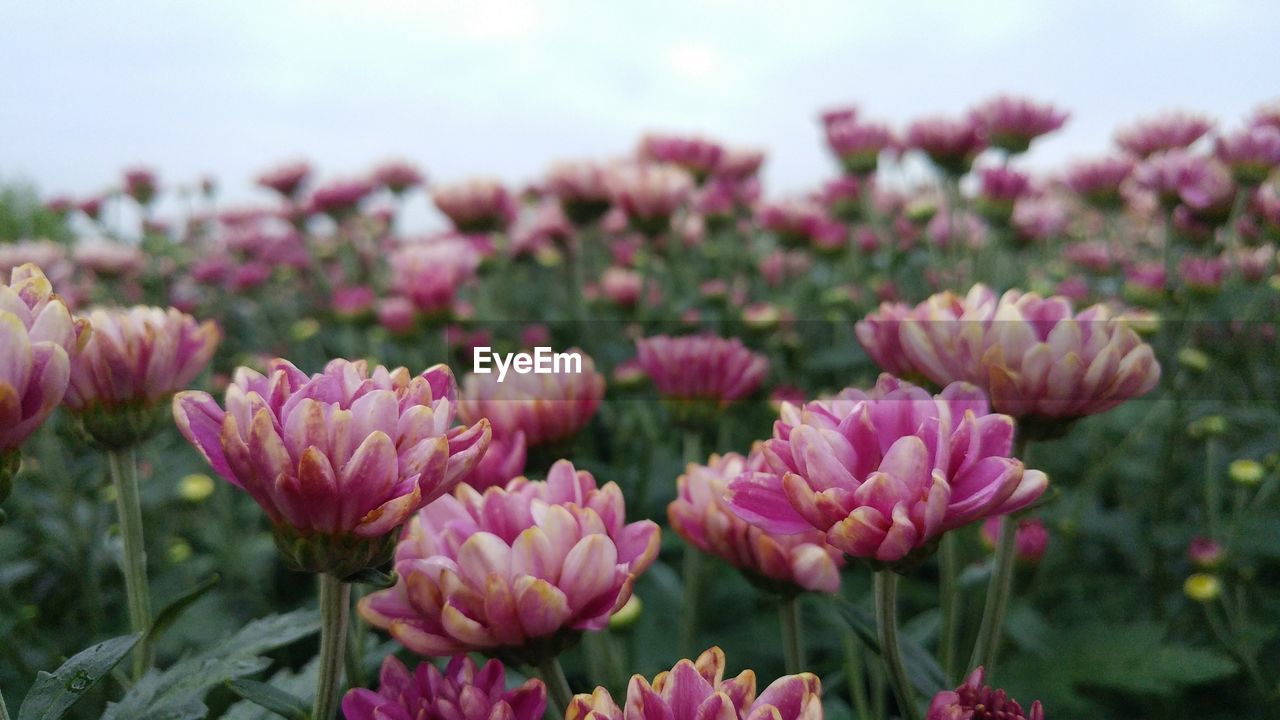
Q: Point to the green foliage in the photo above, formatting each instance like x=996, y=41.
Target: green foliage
x=53, y=693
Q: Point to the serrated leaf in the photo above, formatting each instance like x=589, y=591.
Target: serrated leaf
x=160, y=694
x=280, y=702
x=53, y=693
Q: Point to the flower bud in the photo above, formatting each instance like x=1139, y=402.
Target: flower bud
x=1205, y=553
x=1202, y=587
x=1246, y=472
x=1210, y=426
x=627, y=615
x=1193, y=359
x=196, y=487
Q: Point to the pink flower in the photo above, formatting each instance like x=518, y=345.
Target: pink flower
x=1174, y=130
x=547, y=408
x=1040, y=218
x=885, y=473
x=739, y=164
x=139, y=356
x=1031, y=539
x=476, y=206
x=697, y=690
x=800, y=223
x=287, y=180
x=353, y=302
x=975, y=701
x=701, y=516
x=502, y=462
x=140, y=184
x=1205, y=553
x=581, y=189
x=1177, y=176
x=1203, y=274
x=1011, y=123
x=339, y=198
x=999, y=188
x=462, y=692
x=650, y=194
x=431, y=272
x=950, y=144
x=621, y=286
x=879, y=333
x=1098, y=181
x=1034, y=356
x=699, y=156
x=109, y=258
x=39, y=339
x=858, y=144
x=338, y=458
x=397, y=176
x=518, y=570
x=1251, y=153
x=702, y=367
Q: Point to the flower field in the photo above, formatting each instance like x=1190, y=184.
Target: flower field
x=944, y=438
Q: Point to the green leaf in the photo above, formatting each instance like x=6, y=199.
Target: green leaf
x=300, y=684
x=278, y=701
x=180, y=690
x=373, y=576
x=54, y=692
x=924, y=672
x=174, y=610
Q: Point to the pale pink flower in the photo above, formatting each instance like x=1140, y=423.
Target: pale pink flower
x=702, y=367
x=1010, y=122
x=476, y=206
x=1173, y=130
x=547, y=408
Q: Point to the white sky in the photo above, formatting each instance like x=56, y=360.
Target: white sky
x=503, y=88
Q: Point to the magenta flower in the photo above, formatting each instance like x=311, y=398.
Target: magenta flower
x=134, y=361
x=1098, y=181
x=1180, y=177
x=858, y=144
x=108, y=258
x=39, y=339
x=398, y=176
x=581, y=190
x=1034, y=356
x=517, y=571
x=880, y=336
x=702, y=367
x=998, y=189
x=461, y=692
x=1203, y=274
x=1031, y=538
x=287, y=180
x=884, y=473
x=950, y=144
x=1011, y=123
x=697, y=690
x=476, y=206
x=700, y=157
x=502, y=462
x=621, y=286
x=975, y=701
x=1040, y=219
x=547, y=408
x=803, y=223
x=1171, y=131
x=1251, y=154
x=337, y=460
x=339, y=198
x=786, y=563
x=649, y=194
x=141, y=185
x=430, y=273
x=1205, y=553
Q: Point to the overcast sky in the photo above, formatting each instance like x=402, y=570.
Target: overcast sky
x=502, y=88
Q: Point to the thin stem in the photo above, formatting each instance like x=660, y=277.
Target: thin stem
x=948, y=569
x=886, y=589
x=356, y=644
x=855, y=673
x=1212, y=488
x=124, y=475
x=1001, y=585
x=792, y=635
x=335, y=606
x=557, y=685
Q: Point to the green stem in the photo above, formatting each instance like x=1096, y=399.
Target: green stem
x=124, y=475
x=792, y=637
x=1001, y=585
x=948, y=570
x=886, y=589
x=1212, y=488
x=356, y=644
x=855, y=675
x=335, y=606
x=557, y=685
x=4, y=711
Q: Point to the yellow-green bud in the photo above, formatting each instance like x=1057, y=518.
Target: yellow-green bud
x=1193, y=359
x=627, y=615
x=1202, y=587
x=1246, y=472
x=195, y=487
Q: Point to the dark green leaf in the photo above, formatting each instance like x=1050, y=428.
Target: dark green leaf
x=174, y=610
x=54, y=692
x=923, y=671
x=270, y=697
